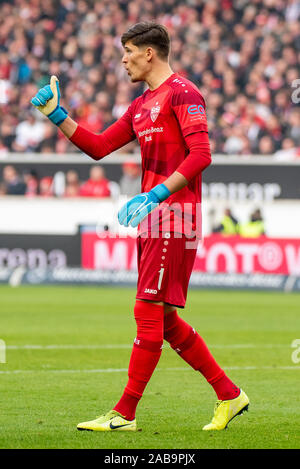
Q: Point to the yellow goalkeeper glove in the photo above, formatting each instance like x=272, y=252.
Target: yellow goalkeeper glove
x=47, y=102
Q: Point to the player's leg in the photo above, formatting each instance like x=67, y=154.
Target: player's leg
x=145, y=355
x=193, y=349
x=149, y=317
x=153, y=263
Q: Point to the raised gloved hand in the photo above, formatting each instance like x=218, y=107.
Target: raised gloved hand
x=134, y=211
x=47, y=102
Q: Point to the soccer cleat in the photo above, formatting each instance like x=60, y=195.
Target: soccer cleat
x=225, y=411
x=112, y=421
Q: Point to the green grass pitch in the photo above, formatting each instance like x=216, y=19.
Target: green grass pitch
x=78, y=369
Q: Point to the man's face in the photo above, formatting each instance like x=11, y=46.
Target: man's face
x=9, y=174
x=96, y=173
x=137, y=61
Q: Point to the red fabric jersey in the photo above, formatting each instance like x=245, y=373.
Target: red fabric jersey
x=160, y=120
x=163, y=121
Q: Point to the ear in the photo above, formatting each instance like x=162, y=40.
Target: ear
x=149, y=53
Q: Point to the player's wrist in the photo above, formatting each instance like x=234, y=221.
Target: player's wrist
x=161, y=192
x=58, y=116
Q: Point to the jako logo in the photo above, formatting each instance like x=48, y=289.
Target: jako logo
x=148, y=290
x=194, y=109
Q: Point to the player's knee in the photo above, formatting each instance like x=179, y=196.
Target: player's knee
x=149, y=318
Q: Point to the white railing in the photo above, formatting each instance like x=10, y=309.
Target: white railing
x=119, y=158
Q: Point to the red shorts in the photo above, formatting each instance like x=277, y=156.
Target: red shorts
x=165, y=265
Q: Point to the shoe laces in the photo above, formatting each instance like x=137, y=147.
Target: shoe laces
x=111, y=414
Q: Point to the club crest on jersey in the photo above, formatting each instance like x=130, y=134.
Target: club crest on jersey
x=154, y=112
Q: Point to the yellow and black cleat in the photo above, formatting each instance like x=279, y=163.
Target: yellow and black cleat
x=225, y=411
x=112, y=421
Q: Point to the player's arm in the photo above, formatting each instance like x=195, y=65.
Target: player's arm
x=68, y=127
x=188, y=106
x=199, y=158
x=47, y=101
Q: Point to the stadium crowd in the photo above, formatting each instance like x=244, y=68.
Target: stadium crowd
x=242, y=55
x=28, y=183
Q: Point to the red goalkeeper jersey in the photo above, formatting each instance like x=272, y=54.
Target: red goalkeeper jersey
x=162, y=120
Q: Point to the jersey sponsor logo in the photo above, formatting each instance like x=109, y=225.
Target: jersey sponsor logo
x=152, y=292
x=194, y=109
x=150, y=131
x=154, y=112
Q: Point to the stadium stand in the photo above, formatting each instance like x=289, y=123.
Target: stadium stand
x=241, y=54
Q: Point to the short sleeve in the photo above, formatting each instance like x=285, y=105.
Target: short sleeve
x=189, y=107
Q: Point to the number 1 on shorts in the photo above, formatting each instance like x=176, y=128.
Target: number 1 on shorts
x=161, y=273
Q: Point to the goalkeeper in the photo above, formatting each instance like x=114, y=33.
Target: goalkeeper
x=169, y=121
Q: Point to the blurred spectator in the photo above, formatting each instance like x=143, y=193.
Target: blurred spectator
x=229, y=224
x=293, y=130
x=266, y=146
x=255, y=227
x=5, y=87
x=29, y=134
x=288, y=151
x=7, y=130
x=59, y=184
x=2, y=189
x=13, y=182
x=46, y=187
x=242, y=55
x=130, y=182
x=97, y=185
x=3, y=148
x=72, y=184
x=32, y=183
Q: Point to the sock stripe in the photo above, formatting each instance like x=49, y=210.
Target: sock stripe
x=148, y=344
x=132, y=392
x=187, y=343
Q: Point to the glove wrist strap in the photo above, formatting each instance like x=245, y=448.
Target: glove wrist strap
x=58, y=115
x=161, y=191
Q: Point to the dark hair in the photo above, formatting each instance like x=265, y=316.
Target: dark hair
x=149, y=33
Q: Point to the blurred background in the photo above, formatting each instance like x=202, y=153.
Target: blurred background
x=58, y=208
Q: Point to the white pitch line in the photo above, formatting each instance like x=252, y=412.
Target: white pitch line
x=129, y=346
x=121, y=370
x=68, y=347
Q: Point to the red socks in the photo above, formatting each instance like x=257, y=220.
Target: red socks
x=192, y=348
x=152, y=328
x=145, y=355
